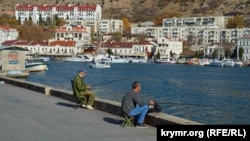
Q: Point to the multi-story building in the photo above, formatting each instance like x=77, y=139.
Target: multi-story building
x=89, y=12
x=129, y=49
x=167, y=45
x=109, y=26
x=244, y=43
x=219, y=21
x=80, y=34
x=195, y=35
x=7, y=33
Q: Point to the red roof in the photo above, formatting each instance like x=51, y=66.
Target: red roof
x=63, y=43
x=4, y=27
x=44, y=7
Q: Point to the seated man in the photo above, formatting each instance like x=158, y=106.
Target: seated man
x=133, y=106
x=83, y=91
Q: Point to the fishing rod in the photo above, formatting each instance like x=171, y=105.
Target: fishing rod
x=104, y=83
x=183, y=104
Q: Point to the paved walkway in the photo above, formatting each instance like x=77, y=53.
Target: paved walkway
x=31, y=116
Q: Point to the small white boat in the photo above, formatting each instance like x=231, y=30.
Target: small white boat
x=238, y=63
x=138, y=60
x=229, y=63
x=162, y=61
x=78, y=58
x=204, y=62
x=100, y=63
x=216, y=63
x=112, y=58
x=35, y=65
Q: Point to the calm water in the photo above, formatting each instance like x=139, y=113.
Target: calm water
x=211, y=95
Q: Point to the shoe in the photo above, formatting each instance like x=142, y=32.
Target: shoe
x=141, y=125
x=89, y=107
x=84, y=106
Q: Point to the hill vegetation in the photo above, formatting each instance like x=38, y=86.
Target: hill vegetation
x=148, y=10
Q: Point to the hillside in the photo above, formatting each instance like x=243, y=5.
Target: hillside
x=144, y=10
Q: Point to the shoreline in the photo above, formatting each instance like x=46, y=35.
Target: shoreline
x=105, y=105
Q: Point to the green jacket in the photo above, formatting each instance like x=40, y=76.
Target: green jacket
x=79, y=86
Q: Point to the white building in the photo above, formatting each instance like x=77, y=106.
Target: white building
x=244, y=43
x=129, y=49
x=219, y=21
x=80, y=34
x=196, y=35
x=7, y=33
x=90, y=12
x=167, y=45
x=110, y=26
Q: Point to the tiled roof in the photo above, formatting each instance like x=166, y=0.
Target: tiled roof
x=4, y=27
x=44, y=7
x=63, y=43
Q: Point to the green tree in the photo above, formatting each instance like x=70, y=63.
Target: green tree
x=117, y=36
x=109, y=51
x=158, y=56
x=215, y=53
x=241, y=51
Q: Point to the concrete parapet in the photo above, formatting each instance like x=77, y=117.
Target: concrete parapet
x=109, y=106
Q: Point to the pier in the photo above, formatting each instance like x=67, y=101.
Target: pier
x=31, y=111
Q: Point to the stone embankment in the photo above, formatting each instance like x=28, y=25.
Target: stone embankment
x=105, y=105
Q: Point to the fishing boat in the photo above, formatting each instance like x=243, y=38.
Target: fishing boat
x=100, y=63
x=35, y=65
x=78, y=58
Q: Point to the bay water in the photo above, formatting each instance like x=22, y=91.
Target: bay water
x=210, y=95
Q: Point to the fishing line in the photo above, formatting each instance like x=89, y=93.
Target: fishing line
x=104, y=83
x=183, y=104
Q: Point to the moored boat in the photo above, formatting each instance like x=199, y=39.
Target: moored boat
x=228, y=63
x=78, y=58
x=216, y=63
x=35, y=65
x=99, y=64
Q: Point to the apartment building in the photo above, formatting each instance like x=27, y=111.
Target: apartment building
x=89, y=12
x=196, y=35
x=105, y=26
x=244, y=43
x=166, y=45
x=219, y=21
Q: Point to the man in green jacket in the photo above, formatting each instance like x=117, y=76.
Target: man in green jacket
x=82, y=91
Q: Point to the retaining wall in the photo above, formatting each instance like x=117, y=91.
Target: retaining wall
x=105, y=105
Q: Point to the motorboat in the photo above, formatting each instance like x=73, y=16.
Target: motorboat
x=100, y=63
x=216, y=63
x=229, y=63
x=35, y=65
x=238, y=63
x=78, y=58
x=204, y=62
x=112, y=58
x=162, y=61
x=138, y=60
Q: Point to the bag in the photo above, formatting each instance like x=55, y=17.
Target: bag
x=154, y=108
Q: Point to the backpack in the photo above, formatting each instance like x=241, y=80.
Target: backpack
x=154, y=108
